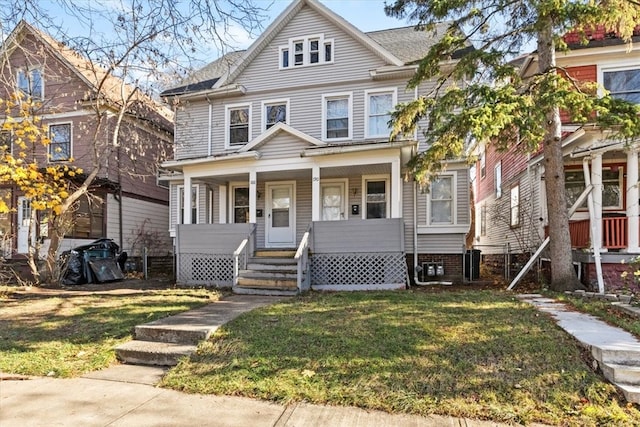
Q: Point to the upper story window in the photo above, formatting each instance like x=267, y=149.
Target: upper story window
x=29, y=82
x=497, y=179
x=337, y=113
x=441, y=201
x=238, y=125
x=275, y=112
x=6, y=142
x=379, y=105
x=623, y=84
x=514, y=206
x=483, y=164
x=60, y=142
x=303, y=51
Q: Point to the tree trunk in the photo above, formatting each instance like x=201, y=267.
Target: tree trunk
x=563, y=276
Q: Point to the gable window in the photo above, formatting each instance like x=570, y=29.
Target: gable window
x=337, y=117
x=194, y=204
x=514, y=206
x=623, y=84
x=612, y=177
x=441, y=200
x=60, y=142
x=238, y=126
x=88, y=218
x=240, y=204
x=275, y=112
x=375, y=196
x=311, y=50
x=497, y=179
x=29, y=82
x=379, y=105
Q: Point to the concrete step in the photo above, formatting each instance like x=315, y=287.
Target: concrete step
x=152, y=353
x=624, y=354
x=265, y=291
x=631, y=392
x=267, y=283
x=275, y=253
x=622, y=374
x=269, y=274
x=176, y=334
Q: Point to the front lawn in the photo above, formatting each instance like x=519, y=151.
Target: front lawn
x=473, y=354
x=68, y=335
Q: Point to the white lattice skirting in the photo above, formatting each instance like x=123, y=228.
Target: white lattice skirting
x=205, y=269
x=369, y=269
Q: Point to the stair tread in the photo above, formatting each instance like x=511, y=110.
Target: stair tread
x=156, y=347
x=634, y=368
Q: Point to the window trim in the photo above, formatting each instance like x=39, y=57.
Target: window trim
x=72, y=232
x=232, y=198
x=50, y=156
x=227, y=124
x=621, y=181
x=393, y=91
x=497, y=179
x=453, y=175
x=613, y=67
x=483, y=163
x=334, y=96
x=180, y=200
x=514, y=221
x=270, y=102
x=29, y=70
x=387, y=188
x=289, y=51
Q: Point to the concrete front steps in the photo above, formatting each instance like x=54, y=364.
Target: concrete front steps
x=269, y=272
x=615, y=351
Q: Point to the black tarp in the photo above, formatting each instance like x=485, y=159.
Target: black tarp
x=96, y=262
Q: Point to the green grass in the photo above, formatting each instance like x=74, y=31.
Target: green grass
x=71, y=335
x=470, y=354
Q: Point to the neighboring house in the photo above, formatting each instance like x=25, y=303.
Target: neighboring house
x=510, y=200
x=286, y=146
x=127, y=205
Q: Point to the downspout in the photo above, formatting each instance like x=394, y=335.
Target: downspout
x=592, y=224
x=415, y=243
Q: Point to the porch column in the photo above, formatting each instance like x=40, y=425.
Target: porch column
x=186, y=200
x=253, y=179
x=396, y=190
x=633, y=210
x=222, y=204
x=596, y=181
x=315, y=193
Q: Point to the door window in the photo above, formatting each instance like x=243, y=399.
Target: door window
x=280, y=204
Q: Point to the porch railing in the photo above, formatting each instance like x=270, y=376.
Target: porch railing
x=302, y=259
x=614, y=233
x=241, y=254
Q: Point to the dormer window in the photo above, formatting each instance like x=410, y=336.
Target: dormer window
x=305, y=51
x=29, y=83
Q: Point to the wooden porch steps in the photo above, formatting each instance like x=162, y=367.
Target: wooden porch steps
x=269, y=272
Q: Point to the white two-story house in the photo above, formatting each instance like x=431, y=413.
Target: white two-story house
x=293, y=180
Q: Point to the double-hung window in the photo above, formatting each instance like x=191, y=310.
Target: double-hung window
x=441, y=209
x=88, y=218
x=303, y=51
x=514, y=206
x=194, y=204
x=275, y=112
x=497, y=179
x=337, y=113
x=29, y=82
x=375, y=195
x=623, y=83
x=379, y=105
x=60, y=142
x=238, y=125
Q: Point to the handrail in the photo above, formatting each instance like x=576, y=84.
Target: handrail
x=302, y=259
x=242, y=249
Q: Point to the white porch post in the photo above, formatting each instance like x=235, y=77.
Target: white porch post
x=596, y=180
x=186, y=200
x=633, y=210
x=253, y=180
x=396, y=189
x=222, y=204
x=315, y=193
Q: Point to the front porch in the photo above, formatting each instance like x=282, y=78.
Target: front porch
x=331, y=255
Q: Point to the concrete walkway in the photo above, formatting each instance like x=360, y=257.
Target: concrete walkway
x=125, y=395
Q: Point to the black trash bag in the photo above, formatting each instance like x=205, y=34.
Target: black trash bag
x=73, y=268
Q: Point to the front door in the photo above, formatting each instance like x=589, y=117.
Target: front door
x=280, y=230
x=24, y=224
